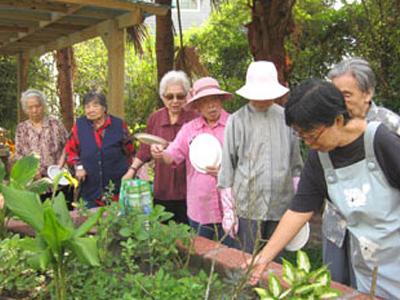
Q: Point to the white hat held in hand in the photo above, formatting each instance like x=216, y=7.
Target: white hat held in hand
x=262, y=82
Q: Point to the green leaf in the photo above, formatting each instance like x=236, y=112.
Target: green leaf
x=330, y=293
x=2, y=171
x=24, y=170
x=89, y=223
x=40, y=253
x=61, y=211
x=274, y=285
x=288, y=272
x=324, y=278
x=305, y=289
x=85, y=249
x=40, y=186
x=124, y=232
x=53, y=232
x=303, y=262
x=25, y=205
x=262, y=292
x=285, y=293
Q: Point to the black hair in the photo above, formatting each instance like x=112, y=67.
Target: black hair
x=95, y=95
x=313, y=103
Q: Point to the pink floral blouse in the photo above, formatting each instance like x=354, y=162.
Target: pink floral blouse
x=47, y=142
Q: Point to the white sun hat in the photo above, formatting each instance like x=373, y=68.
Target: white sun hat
x=205, y=151
x=300, y=239
x=262, y=82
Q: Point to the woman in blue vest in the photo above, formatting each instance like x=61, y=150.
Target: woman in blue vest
x=355, y=166
x=100, y=149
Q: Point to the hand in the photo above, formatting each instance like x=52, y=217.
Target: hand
x=230, y=222
x=257, y=269
x=129, y=174
x=80, y=175
x=157, y=151
x=213, y=171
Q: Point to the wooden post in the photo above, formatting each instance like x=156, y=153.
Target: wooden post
x=114, y=40
x=22, y=81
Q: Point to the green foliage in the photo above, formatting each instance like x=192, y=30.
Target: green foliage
x=303, y=283
x=17, y=279
x=8, y=91
x=223, y=46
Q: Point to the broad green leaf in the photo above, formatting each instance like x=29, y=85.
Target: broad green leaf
x=89, y=223
x=124, y=232
x=40, y=186
x=330, y=293
x=285, y=294
x=301, y=275
x=306, y=288
x=39, y=253
x=274, y=285
x=61, y=211
x=53, y=232
x=288, y=272
x=314, y=274
x=324, y=278
x=24, y=170
x=25, y=205
x=85, y=250
x=2, y=171
x=303, y=262
x=264, y=295
x=40, y=260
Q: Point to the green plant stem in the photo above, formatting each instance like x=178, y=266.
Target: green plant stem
x=59, y=278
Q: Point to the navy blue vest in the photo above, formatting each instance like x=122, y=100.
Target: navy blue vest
x=101, y=164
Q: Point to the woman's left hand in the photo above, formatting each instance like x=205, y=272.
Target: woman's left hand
x=212, y=170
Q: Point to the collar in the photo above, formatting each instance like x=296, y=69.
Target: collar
x=107, y=123
x=201, y=122
x=164, y=117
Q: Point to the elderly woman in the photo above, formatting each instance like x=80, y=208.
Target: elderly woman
x=203, y=200
x=356, y=80
x=41, y=134
x=100, y=149
x=169, y=180
x=355, y=166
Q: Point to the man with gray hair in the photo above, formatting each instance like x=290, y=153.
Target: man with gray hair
x=356, y=80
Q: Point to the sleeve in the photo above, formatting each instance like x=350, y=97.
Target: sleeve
x=387, y=149
x=178, y=149
x=127, y=141
x=229, y=156
x=144, y=153
x=296, y=162
x=72, y=148
x=312, y=187
x=20, y=142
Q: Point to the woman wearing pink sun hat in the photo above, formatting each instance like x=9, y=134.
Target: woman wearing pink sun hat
x=260, y=160
x=203, y=201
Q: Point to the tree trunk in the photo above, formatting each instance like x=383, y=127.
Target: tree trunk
x=65, y=63
x=164, y=42
x=271, y=23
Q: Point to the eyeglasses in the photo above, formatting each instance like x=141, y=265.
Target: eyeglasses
x=310, y=137
x=170, y=97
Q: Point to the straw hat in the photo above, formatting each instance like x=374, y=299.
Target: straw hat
x=262, y=82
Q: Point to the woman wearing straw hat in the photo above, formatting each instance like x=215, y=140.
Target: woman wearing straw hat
x=260, y=161
x=203, y=202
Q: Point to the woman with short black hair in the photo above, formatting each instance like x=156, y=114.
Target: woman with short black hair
x=356, y=167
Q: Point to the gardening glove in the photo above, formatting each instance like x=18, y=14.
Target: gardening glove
x=230, y=222
x=295, y=181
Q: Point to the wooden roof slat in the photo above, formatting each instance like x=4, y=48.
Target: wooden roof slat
x=6, y=28
x=24, y=15
x=37, y=5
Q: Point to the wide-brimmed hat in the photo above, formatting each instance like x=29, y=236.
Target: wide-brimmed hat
x=206, y=86
x=262, y=82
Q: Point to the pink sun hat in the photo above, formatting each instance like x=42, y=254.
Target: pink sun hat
x=262, y=82
x=206, y=86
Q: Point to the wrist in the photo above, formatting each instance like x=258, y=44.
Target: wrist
x=133, y=169
x=79, y=168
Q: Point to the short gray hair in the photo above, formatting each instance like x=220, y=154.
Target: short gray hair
x=360, y=69
x=172, y=78
x=33, y=93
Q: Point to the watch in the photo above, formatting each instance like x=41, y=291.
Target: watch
x=79, y=167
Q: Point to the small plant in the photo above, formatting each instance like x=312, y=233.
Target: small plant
x=303, y=283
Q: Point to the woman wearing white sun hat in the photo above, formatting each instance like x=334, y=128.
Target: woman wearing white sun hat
x=261, y=157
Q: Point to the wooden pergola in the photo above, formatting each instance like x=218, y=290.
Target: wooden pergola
x=31, y=28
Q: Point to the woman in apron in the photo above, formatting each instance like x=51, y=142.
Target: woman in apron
x=356, y=167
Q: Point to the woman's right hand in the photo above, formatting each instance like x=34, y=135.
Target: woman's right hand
x=129, y=174
x=80, y=175
x=156, y=151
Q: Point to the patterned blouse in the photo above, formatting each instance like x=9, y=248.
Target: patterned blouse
x=47, y=142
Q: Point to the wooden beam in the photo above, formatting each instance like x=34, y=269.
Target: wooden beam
x=24, y=15
x=130, y=19
x=22, y=80
x=6, y=28
x=36, y=5
x=114, y=39
x=85, y=34
x=125, y=5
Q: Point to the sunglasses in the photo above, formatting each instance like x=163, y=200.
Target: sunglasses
x=176, y=96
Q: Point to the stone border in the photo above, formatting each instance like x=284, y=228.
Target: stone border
x=204, y=252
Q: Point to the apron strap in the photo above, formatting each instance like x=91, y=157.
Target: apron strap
x=369, y=145
x=326, y=163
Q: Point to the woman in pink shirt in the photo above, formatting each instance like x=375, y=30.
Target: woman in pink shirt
x=203, y=201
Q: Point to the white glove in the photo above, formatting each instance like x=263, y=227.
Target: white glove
x=230, y=222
